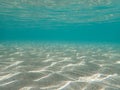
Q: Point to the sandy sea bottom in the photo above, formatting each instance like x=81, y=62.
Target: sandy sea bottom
x=59, y=66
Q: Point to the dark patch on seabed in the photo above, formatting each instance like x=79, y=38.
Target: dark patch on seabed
x=59, y=45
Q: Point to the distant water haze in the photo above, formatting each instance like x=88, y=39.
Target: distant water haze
x=64, y=20
x=97, y=33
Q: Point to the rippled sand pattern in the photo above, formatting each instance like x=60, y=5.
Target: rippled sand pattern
x=46, y=66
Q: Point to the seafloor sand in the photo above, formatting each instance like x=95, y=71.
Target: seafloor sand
x=54, y=66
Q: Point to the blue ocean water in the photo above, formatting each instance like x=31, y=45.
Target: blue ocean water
x=77, y=20
x=59, y=44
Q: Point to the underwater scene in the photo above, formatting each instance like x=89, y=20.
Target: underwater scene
x=59, y=44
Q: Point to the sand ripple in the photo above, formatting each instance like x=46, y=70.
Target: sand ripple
x=59, y=66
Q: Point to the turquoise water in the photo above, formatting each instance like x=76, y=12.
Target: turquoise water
x=59, y=45
x=65, y=20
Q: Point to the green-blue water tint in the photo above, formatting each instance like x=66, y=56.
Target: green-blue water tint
x=59, y=44
x=73, y=20
x=96, y=32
